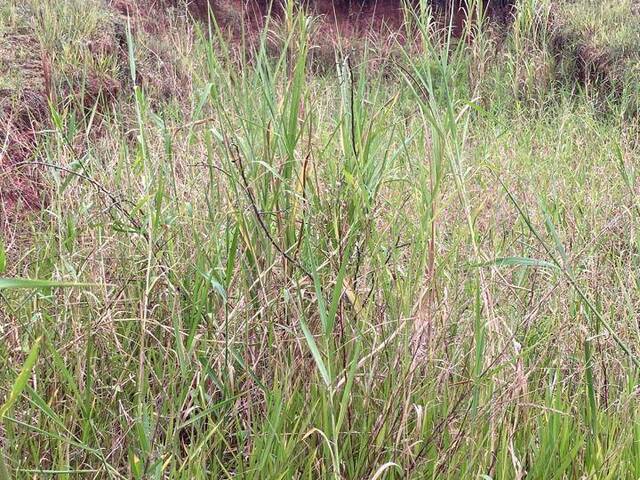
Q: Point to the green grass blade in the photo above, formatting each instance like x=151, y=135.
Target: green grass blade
x=22, y=379
x=517, y=262
x=315, y=352
x=29, y=283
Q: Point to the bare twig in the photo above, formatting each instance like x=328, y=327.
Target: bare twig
x=263, y=226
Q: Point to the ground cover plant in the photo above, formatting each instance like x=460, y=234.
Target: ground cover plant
x=597, y=43
x=254, y=256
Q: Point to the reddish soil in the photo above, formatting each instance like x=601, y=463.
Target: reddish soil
x=19, y=184
x=344, y=17
x=347, y=17
x=22, y=108
x=360, y=16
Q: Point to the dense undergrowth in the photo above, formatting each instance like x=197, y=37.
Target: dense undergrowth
x=417, y=263
x=596, y=43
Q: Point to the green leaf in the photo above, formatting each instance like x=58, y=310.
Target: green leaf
x=315, y=352
x=215, y=284
x=23, y=378
x=517, y=262
x=3, y=257
x=4, y=471
x=13, y=283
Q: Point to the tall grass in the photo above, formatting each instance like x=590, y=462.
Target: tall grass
x=383, y=272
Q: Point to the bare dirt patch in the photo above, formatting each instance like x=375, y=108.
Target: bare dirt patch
x=345, y=18
x=20, y=189
x=23, y=106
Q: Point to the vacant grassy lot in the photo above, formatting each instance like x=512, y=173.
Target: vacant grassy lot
x=268, y=257
x=598, y=42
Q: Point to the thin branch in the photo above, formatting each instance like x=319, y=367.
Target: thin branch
x=263, y=226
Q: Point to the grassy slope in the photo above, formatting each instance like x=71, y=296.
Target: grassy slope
x=603, y=37
x=289, y=280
